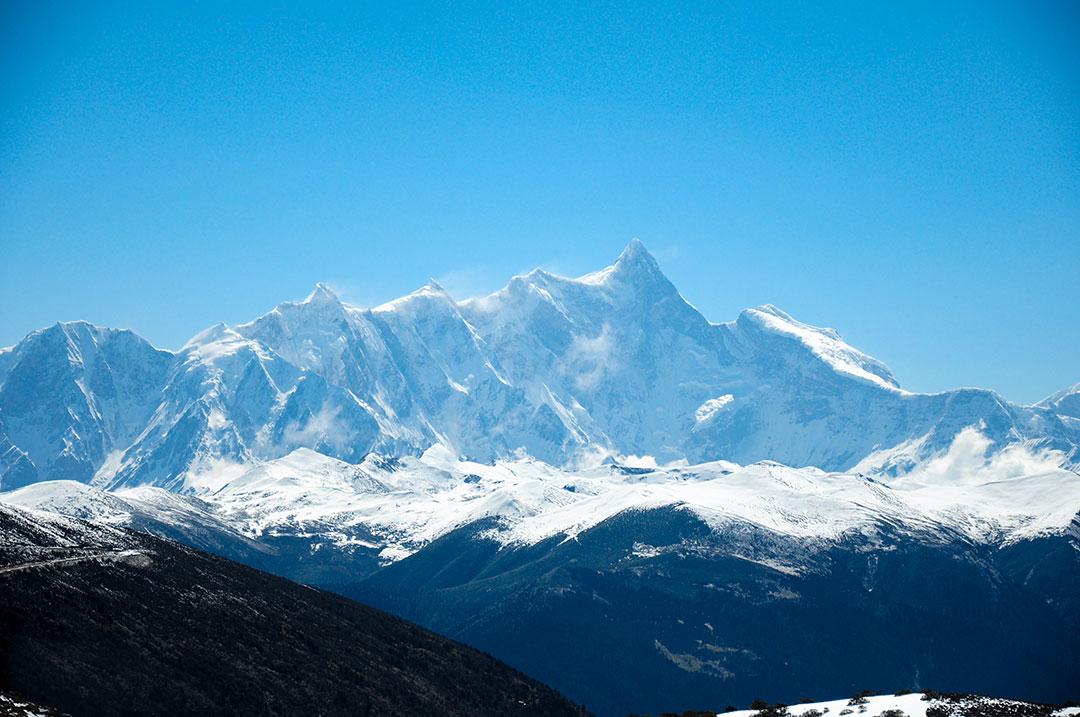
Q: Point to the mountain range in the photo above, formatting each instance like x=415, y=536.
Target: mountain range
x=568, y=371
x=589, y=480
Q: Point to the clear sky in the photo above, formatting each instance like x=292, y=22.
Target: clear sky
x=906, y=173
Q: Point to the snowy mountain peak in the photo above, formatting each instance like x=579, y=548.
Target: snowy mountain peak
x=433, y=286
x=773, y=310
x=322, y=294
x=824, y=343
x=636, y=253
x=1064, y=403
x=635, y=266
x=217, y=332
x=431, y=290
x=218, y=342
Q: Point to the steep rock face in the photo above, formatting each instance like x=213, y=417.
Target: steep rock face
x=70, y=395
x=570, y=371
x=618, y=355
x=806, y=398
x=232, y=400
x=422, y=369
x=623, y=359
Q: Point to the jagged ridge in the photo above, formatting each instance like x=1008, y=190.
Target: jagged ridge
x=570, y=371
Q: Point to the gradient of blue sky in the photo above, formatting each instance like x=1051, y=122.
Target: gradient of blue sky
x=907, y=173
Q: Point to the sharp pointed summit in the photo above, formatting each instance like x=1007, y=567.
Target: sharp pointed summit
x=434, y=286
x=635, y=254
x=635, y=266
x=322, y=294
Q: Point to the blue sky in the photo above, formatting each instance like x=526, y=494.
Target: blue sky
x=906, y=173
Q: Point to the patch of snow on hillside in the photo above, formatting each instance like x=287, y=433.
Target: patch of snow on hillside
x=710, y=408
x=912, y=705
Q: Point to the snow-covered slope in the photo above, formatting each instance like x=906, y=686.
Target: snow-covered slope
x=147, y=509
x=397, y=506
x=714, y=577
x=919, y=704
x=410, y=502
x=568, y=371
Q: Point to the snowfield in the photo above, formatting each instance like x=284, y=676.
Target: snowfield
x=915, y=705
x=397, y=506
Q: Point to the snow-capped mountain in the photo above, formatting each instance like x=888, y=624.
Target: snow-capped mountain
x=389, y=508
x=585, y=466
x=72, y=396
x=567, y=371
x=147, y=509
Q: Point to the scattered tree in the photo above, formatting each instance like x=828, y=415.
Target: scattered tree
x=859, y=698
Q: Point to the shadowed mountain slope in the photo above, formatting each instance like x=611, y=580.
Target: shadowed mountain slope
x=99, y=620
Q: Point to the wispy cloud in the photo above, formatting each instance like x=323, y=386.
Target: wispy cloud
x=966, y=461
x=325, y=428
x=590, y=357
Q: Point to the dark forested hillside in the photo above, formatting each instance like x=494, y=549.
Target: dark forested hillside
x=660, y=612
x=101, y=621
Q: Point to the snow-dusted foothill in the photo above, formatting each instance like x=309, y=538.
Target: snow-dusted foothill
x=395, y=506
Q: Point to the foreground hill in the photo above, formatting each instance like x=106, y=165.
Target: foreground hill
x=663, y=611
x=706, y=584
x=99, y=620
